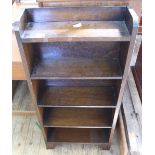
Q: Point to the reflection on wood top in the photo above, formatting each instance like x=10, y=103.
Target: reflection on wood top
x=87, y=30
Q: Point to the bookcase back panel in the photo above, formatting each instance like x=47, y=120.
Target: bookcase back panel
x=73, y=135
x=77, y=93
x=73, y=83
x=76, y=14
x=76, y=59
x=103, y=50
x=78, y=117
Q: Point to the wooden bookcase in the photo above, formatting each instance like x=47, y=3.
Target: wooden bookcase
x=77, y=61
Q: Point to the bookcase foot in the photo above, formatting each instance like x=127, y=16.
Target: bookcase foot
x=50, y=146
x=40, y=4
x=104, y=147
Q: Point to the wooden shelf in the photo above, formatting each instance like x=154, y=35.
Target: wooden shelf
x=88, y=31
x=83, y=96
x=78, y=117
x=77, y=68
x=71, y=135
x=77, y=60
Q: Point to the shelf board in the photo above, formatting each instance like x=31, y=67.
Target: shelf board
x=85, y=96
x=78, y=117
x=73, y=135
x=76, y=68
x=75, y=31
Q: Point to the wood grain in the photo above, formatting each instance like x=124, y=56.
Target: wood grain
x=132, y=126
x=83, y=13
x=137, y=104
x=89, y=31
x=109, y=1
x=77, y=68
x=78, y=117
x=22, y=101
x=19, y=95
x=18, y=72
x=132, y=24
x=76, y=83
x=64, y=3
x=122, y=136
x=26, y=65
x=20, y=134
x=137, y=71
x=75, y=60
x=77, y=97
x=64, y=135
x=135, y=4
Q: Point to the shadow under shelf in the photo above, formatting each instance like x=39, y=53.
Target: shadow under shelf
x=73, y=135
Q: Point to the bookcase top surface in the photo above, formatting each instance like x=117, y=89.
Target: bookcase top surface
x=76, y=24
x=75, y=31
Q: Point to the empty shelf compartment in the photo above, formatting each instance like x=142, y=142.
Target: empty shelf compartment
x=72, y=135
x=78, y=117
x=77, y=68
x=76, y=96
x=76, y=60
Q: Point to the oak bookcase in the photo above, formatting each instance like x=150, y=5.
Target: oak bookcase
x=77, y=61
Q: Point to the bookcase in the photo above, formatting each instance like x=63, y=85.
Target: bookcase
x=76, y=61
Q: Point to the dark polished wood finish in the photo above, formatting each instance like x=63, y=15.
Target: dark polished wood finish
x=72, y=135
x=77, y=97
x=77, y=61
x=103, y=31
x=75, y=68
x=78, y=117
